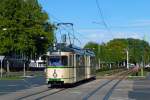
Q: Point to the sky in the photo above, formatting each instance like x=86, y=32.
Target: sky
x=123, y=18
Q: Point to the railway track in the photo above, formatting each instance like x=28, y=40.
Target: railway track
x=42, y=97
x=42, y=94
x=121, y=76
x=24, y=97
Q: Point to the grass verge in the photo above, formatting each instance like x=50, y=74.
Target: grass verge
x=138, y=75
x=108, y=72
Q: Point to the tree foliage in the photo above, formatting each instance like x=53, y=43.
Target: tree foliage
x=115, y=50
x=24, y=28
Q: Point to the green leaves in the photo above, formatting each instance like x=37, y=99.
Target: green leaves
x=115, y=50
x=24, y=22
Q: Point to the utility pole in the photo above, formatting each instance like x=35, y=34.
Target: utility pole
x=24, y=64
x=5, y=29
x=8, y=67
x=143, y=56
x=127, y=52
x=99, y=62
x=24, y=69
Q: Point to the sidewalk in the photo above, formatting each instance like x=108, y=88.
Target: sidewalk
x=138, y=89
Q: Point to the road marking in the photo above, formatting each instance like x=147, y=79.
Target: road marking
x=76, y=92
x=7, y=92
x=14, y=92
x=120, y=98
x=12, y=85
x=123, y=90
x=16, y=85
x=141, y=85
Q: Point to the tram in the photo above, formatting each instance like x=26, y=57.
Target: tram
x=68, y=64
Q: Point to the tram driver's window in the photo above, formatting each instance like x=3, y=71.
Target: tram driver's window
x=64, y=60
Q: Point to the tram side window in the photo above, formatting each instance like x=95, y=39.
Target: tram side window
x=64, y=60
x=92, y=61
x=82, y=61
x=77, y=60
x=71, y=60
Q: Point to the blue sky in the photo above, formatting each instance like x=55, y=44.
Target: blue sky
x=125, y=18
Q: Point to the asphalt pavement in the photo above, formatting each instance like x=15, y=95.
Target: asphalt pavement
x=8, y=86
x=100, y=89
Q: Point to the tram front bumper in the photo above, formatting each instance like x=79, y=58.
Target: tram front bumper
x=53, y=81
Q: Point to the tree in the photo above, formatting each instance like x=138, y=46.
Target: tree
x=139, y=50
x=24, y=28
x=92, y=46
x=99, y=50
x=115, y=50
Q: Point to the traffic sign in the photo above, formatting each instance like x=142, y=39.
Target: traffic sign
x=1, y=60
x=2, y=57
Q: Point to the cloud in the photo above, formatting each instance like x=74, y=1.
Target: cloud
x=119, y=35
x=99, y=35
x=94, y=35
x=127, y=35
x=135, y=36
x=138, y=31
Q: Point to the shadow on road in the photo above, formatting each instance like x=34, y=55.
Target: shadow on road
x=73, y=85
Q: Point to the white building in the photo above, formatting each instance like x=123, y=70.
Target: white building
x=40, y=63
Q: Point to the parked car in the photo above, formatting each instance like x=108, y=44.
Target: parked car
x=131, y=65
x=147, y=66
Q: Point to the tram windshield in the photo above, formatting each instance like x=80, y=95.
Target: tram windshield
x=58, y=61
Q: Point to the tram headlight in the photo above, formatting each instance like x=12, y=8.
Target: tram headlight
x=47, y=80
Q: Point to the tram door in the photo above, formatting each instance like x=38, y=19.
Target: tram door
x=75, y=67
x=77, y=72
x=88, y=69
x=71, y=67
x=80, y=67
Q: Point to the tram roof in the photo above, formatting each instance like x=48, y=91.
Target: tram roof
x=71, y=48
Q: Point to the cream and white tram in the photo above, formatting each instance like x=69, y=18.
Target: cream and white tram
x=69, y=64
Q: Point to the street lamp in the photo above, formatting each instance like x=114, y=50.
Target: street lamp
x=24, y=68
x=42, y=38
x=5, y=29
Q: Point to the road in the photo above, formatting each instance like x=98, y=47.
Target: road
x=100, y=89
x=8, y=86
